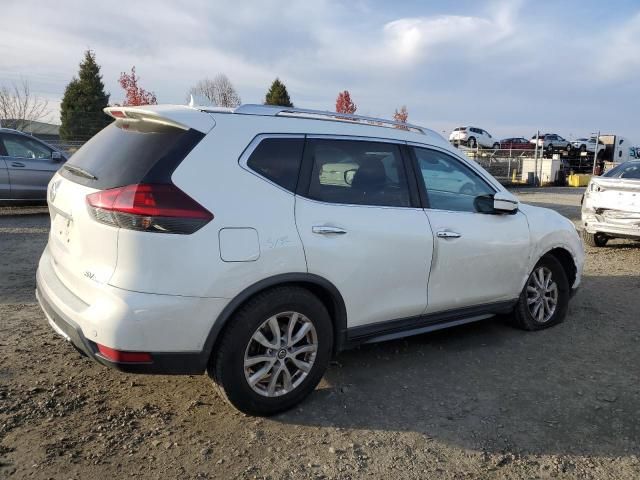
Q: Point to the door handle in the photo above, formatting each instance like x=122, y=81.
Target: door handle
x=17, y=164
x=327, y=230
x=448, y=234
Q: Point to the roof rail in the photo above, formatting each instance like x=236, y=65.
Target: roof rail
x=271, y=110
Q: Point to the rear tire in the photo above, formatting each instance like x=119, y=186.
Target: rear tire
x=496, y=146
x=594, y=239
x=233, y=364
x=544, y=299
x=472, y=142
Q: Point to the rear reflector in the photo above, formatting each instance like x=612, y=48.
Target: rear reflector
x=119, y=356
x=161, y=208
x=118, y=113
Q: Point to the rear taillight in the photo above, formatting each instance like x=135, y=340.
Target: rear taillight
x=126, y=357
x=161, y=208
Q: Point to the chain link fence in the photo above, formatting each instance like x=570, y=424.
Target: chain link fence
x=70, y=146
x=530, y=167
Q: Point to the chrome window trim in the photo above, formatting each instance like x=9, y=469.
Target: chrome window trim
x=357, y=204
x=250, y=148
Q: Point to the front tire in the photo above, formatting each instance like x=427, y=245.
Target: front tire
x=274, y=351
x=545, y=297
x=594, y=239
x=472, y=142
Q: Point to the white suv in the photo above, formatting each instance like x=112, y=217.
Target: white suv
x=256, y=243
x=473, y=137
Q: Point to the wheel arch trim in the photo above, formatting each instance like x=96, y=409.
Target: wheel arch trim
x=337, y=311
x=549, y=250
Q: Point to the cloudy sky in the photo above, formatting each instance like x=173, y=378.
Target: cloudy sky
x=509, y=66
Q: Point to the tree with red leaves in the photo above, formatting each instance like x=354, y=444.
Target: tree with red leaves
x=401, y=115
x=344, y=104
x=134, y=94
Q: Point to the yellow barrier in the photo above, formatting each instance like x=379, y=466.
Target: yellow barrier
x=579, y=180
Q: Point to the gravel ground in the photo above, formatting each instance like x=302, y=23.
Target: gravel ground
x=479, y=401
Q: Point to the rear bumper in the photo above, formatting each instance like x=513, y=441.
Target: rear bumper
x=172, y=329
x=162, y=362
x=593, y=223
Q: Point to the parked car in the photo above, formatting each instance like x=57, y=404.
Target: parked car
x=551, y=141
x=186, y=240
x=516, y=143
x=611, y=205
x=473, y=137
x=587, y=145
x=26, y=166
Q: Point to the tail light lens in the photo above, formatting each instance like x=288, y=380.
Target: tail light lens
x=126, y=357
x=160, y=208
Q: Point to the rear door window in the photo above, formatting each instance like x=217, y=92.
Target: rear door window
x=278, y=160
x=357, y=173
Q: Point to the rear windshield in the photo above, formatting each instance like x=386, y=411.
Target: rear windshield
x=123, y=154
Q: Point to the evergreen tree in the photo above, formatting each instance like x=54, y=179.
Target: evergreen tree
x=278, y=95
x=84, y=98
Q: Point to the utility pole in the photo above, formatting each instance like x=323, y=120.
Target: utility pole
x=535, y=156
x=595, y=153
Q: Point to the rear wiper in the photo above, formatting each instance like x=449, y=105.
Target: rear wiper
x=79, y=171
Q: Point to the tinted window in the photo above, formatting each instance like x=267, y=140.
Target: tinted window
x=450, y=184
x=125, y=154
x=278, y=159
x=23, y=147
x=357, y=173
x=625, y=170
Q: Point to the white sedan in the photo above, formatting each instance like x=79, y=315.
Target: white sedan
x=611, y=205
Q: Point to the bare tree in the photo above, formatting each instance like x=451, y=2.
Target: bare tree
x=218, y=91
x=20, y=106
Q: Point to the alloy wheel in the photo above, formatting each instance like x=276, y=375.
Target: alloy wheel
x=280, y=354
x=542, y=295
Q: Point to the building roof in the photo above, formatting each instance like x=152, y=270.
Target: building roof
x=32, y=127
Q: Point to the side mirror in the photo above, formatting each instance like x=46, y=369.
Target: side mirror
x=56, y=156
x=501, y=202
x=505, y=202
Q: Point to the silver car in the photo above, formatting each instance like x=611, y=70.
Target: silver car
x=26, y=166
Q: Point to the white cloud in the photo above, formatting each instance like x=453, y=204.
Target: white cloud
x=618, y=51
x=496, y=64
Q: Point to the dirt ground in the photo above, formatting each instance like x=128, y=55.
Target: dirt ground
x=479, y=401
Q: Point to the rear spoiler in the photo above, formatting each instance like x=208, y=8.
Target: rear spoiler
x=176, y=116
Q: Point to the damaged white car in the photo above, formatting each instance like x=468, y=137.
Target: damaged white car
x=611, y=205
